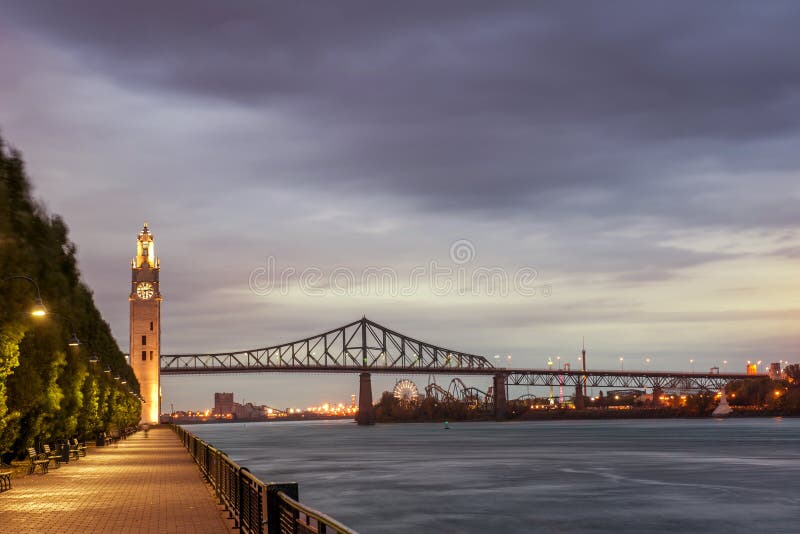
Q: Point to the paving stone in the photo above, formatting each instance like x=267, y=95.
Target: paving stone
x=141, y=485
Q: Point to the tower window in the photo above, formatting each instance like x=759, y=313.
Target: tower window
x=151, y=326
x=144, y=340
x=144, y=355
x=151, y=355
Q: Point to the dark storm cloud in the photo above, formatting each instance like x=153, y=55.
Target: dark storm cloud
x=483, y=106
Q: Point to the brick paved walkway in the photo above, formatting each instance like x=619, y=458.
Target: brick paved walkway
x=143, y=485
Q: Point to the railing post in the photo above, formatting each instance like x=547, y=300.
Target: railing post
x=273, y=509
x=237, y=521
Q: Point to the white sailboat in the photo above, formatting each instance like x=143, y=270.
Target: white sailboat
x=723, y=409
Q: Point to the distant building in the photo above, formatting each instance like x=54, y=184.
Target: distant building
x=248, y=411
x=752, y=369
x=223, y=403
x=775, y=371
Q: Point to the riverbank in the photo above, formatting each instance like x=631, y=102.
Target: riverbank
x=592, y=414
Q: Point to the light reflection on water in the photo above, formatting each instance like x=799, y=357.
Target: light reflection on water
x=676, y=475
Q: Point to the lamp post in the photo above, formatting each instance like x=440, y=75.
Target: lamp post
x=647, y=360
x=38, y=309
x=691, y=362
x=560, y=381
x=73, y=340
x=621, y=363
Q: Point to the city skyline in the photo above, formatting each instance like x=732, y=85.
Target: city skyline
x=638, y=160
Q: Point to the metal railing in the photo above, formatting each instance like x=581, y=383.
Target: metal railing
x=256, y=507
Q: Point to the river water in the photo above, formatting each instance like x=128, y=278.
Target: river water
x=669, y=475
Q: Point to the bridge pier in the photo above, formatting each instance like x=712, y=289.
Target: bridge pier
x=657, y=392
x=580, y=404
x=500, y=403
x=366, y=414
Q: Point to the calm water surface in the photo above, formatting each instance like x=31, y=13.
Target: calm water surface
x=733, y=475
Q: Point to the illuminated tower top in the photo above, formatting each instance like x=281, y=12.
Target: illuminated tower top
x=145, y=250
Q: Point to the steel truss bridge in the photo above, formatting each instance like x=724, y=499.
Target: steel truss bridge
x=366, y=347
x=360, y=346
x=621, y=379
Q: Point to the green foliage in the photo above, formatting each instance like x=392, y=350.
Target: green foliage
x=793, y=374
x=49, y=391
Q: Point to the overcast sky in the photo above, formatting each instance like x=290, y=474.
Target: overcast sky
x=640, y=158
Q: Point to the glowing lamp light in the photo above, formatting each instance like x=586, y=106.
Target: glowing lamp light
x=74, y=341
x=38, y=309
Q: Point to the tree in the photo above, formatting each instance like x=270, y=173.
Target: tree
x=793, y=374
x=48, y=390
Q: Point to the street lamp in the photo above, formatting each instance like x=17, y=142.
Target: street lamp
x=647, y=361
x=38, y=309
x=725, y=365
x=691, y=362
x=73, y=340
x=621, y=363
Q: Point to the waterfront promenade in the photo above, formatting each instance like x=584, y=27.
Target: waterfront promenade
x=142, y=485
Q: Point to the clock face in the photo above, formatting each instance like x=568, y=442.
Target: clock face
x=144, y=290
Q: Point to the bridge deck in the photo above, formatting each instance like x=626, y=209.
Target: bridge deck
x=144, y=485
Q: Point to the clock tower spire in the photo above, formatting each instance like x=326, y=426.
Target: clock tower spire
x=145, y=326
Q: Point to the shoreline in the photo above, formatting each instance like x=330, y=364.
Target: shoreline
x=552, y=415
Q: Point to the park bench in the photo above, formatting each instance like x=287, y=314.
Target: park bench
x=5, y=478
x=79, y=448
x=52, y=456
x=37, y=459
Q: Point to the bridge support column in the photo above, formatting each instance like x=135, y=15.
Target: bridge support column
x=579, y=401
x=366, y=414
x=657, y=392
x=500, y=404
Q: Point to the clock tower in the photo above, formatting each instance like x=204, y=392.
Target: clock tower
x=145, y=328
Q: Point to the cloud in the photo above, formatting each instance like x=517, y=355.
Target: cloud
x=473, y=107
x=635, y=155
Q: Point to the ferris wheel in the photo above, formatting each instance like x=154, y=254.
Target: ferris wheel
x=406, y=390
